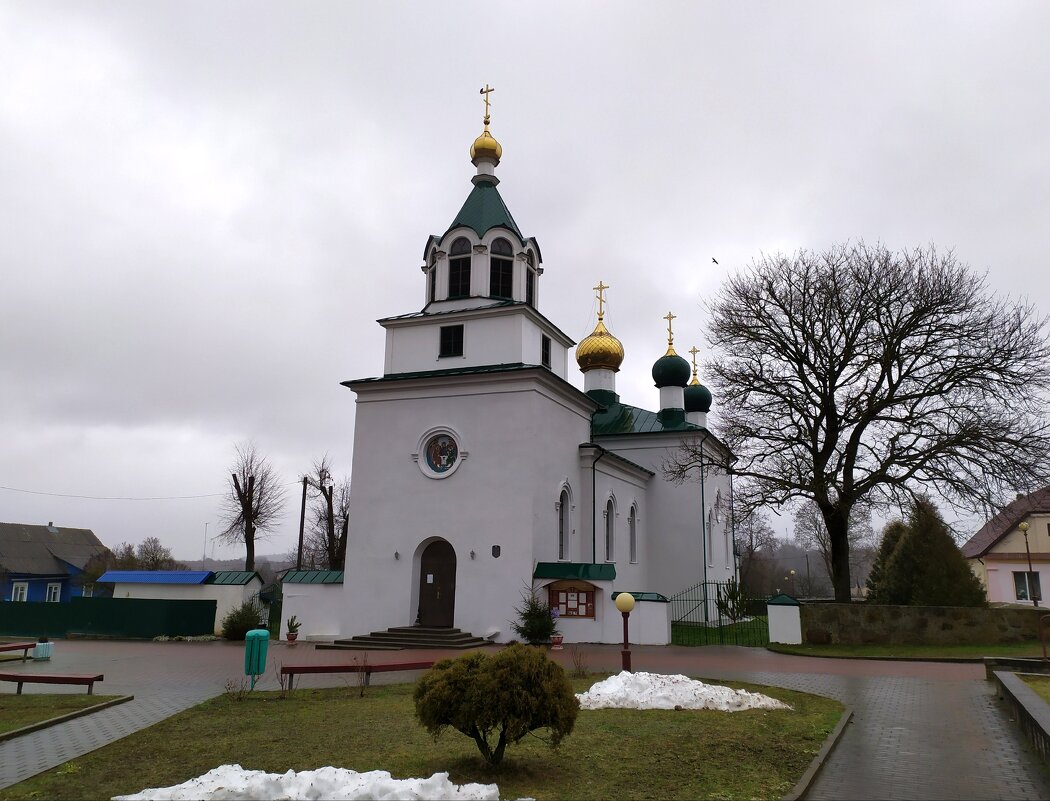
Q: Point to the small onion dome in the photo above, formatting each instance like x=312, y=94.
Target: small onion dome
x=697, y=397
x=599, y=350
x=486, y=146
x=671, y=370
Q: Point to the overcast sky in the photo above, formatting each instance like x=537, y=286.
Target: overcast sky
x=205, y=206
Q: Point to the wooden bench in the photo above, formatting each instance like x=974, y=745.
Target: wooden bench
x=18, y=646
x=295, y=670
x=53, y=678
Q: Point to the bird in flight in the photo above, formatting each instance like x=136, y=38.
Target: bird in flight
x=714, y=260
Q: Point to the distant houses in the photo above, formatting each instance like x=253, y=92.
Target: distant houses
x=44, y=563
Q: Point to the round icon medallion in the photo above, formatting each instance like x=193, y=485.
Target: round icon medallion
x=441, y=453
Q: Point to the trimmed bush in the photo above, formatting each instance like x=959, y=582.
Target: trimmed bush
x=536, y=624
x=241, y=620
x=505, y=695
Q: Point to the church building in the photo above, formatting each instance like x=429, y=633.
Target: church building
x=481, y=473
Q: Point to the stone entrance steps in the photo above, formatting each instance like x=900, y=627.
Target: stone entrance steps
x=401, y=637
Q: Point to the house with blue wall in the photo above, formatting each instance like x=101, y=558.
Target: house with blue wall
x=42, y=563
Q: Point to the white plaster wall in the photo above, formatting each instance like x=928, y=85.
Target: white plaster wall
x=505, y=337
x=513, y=436
x=785, y=624
x=226, y=596
x=319, y=608
x=1000, y=586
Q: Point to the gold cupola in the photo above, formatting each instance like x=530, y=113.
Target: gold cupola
x=600, y=349
x=486, y=146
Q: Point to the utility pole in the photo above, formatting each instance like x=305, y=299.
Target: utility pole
x=302, y=527
x=204, y=553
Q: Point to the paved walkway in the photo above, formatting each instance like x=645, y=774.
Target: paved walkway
x=920, y=730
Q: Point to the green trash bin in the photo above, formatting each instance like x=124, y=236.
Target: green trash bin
x=256, y=642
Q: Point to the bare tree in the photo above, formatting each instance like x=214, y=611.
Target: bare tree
x=151, y=555
x=858, y=375
x=325, y=545
x=254, y=503
x=811, y=534
x=755, y=540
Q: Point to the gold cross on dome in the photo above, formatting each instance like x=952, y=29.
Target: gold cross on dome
x=694, y=350
x=670, y=334
x=600, y=289
x=486, y=91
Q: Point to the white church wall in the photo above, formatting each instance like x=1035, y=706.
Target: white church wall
x=509, y=437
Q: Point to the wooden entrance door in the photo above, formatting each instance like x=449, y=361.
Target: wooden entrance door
x=437, y=585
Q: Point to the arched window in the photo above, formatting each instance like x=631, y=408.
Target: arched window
x=610, y=516
x=501, y=270
x=632, y=527
x=459, y=269
x=709, y=539
x=563, y=525
x=530, y=279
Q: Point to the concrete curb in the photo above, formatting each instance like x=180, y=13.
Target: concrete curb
x=1033, y=713
x=962, y=660
x=830, y=742
x=123, y=699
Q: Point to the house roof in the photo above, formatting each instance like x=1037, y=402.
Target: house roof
x=46, y=550
x=313, y=577
x=1006, y=521
x=234, y=577
x=621, y=418
x=156, y=577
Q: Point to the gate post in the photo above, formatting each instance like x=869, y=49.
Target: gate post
x=785, y=620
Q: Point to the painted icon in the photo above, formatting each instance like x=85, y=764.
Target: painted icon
x=441, y=452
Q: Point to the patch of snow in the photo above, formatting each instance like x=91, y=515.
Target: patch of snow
x=657, y=691
x=229, y=782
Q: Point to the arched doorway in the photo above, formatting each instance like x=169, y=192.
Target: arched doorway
x=437, y=585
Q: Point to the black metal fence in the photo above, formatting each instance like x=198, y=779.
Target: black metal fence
x=718, y=613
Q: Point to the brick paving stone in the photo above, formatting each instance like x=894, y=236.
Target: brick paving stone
x=920, y=730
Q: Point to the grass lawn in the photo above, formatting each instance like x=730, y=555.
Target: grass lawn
x=1041, y=684
x=1020, y=649
x=753, y=633
x=17, y=711
x=610, y=754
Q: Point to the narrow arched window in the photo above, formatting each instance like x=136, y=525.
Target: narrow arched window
x=632, y=527
x=501, y=270
x=709, y=540
x=563, y=525
x=459, y=269
x=609, y=517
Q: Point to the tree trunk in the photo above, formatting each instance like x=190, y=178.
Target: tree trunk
x=837, y=521
x=249, y=547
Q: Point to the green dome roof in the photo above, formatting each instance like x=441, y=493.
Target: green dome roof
x=697, y=398
x=671, y=370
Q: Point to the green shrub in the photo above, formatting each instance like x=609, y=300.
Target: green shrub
x=510, y=693
x=241, y=620
x=536, y=624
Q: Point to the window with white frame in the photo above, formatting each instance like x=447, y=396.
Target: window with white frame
x=87, y=591
x=610, y=515
x=632, y=529
x=1026, y=586
x=54, y=593
x=19, y=590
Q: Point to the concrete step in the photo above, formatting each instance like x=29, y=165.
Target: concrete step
x=410, y=637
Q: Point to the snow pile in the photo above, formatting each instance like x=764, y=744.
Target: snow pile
x=657, y=691
x=234, y=782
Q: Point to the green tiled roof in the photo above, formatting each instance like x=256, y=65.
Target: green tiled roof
x=484, y=210
x=783, y=600
x=620, y=418
x=646, y=596
x=574, y=570
x=313, y=577
x=233, y=577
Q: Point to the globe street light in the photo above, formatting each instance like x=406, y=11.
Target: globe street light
x=625, y=603
x=1032, y=592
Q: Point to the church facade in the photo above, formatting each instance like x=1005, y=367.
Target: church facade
x=481, y=473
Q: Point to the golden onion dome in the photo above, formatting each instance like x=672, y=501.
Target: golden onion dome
x=599, y=350
x=486, y=145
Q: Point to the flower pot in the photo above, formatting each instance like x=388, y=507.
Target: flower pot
x=292, y=637
x=42, y=651
x=556, y=642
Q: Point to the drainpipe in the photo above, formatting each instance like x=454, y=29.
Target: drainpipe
x=703, y=526
x=594, y=506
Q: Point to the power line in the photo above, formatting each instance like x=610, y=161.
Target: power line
x=112, y=498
